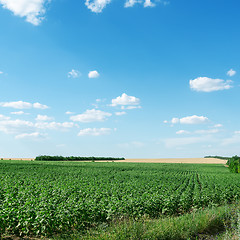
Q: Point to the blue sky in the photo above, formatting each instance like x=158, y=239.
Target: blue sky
x=138, y=79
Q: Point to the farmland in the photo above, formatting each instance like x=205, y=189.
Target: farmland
x=47, y=198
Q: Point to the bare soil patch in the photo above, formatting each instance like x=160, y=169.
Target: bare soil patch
x=176, y=160
x=153, y=160
x=23, y=159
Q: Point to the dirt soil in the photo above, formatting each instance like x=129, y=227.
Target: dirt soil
x=176, y=160
x=155, y=160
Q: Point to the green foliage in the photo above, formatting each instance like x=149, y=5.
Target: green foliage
x=234, y=164
x=72, y=158
x=48, y=198
x=219, y=157
x=205, y=224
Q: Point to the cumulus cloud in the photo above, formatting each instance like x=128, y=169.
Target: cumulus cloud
x=204, y=131
x=2, y=117
x=18, y=104
x=19, y=113
x=130, y=107
x=20, y=127
x=235, y=139
x=74, y=74
x=16, y=126
x=97, y=5
x=92, y=115
x=69, y=113
x=23, y=105
x=182, y=132
x=148, y=3
x=120, y=113
x=131, y=3
x=218, y=125
x=43, y=118
x=208, y=131
x=94, y=131
x=32, y=10
x=40, y=106
x=125, y=100
x=231, y=73
x=190, y=120
x=205, y=84
x=54, y=125
x=31, y=136
x=93, y=74
x=175, y=120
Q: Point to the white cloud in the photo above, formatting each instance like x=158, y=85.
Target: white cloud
x=16, y=126
x=92, y=115
x=148, y=3
x=54, y=125
x=93, y=74
x=131, y=3
x=218, y=125
x=96, y=5
x=182, y=132
x=125, y=100
x=18, y=104
x=231, y=72
x=205, y=84
x=235, y=139
x=175, y=120
x=19, y=127
x=1, y=72
x=2, y=117
x=31, y=136
x=190, y=120
x=23, y=105
x=32, y=10
x=19, y=113
x=237, y=132
x=209, y=131
x=74, y=74
x=69, y=113
x=43, y=118
x=120, y=113
x=94, y=131
x=40, y=106
x=130, y=107
x=165, y=121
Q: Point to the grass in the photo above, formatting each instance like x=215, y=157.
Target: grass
x=213, y=223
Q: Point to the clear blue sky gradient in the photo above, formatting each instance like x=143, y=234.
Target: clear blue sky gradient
x=149, y=53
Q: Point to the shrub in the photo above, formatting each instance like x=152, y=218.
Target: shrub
x=72, y=158
x=234, y=164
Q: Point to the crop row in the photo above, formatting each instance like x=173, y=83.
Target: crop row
x=45, y=198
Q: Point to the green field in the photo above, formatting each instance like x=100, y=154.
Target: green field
x=49, y=198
